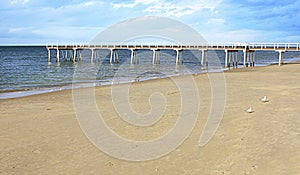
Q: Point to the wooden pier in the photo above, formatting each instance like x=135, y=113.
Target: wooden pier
x=230, y=49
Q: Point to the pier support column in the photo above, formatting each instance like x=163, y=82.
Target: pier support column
x=156, y=58
x=236, y=59
x=96, y=56
x=153, y=56
x=179, y=57
x=202, y=56
x=79, y=54
x=57, y=55
x=113, y=56
x=63, y=55
x=71, y=55
x=92, y=56
x=74, y=55
x=226, y=59
x=280, y=59
x=231, y=59
x=245, y=58
x=232, y=56
x=66, y=55
x=206, y=58
x=253, y=58
x=133, y=57
x=116, y=57
x=49, y=55
x=250, y=59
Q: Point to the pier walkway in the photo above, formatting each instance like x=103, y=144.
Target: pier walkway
x=230, y=49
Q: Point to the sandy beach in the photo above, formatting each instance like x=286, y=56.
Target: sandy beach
x=40, y=134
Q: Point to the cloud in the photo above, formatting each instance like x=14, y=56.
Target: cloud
x=19, y=30
x=81, y=5
x=216, y=21
x=18, y=2
x=133, y=4
x=170, y=8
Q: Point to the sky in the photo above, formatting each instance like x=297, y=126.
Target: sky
x=79, y=21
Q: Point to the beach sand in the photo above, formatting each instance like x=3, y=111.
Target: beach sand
x=40, y=134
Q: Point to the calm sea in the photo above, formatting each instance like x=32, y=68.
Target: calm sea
x=24, y=70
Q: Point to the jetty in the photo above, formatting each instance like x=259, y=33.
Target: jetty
x=231, y=51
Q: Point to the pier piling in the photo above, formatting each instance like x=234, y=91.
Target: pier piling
x=156, y=56
x=66, y=55
x=231, y=59
x=116, y=57
x=236, y=59
x=253, y=58
x=74, y=55
x=202, y=57
x=226, y=59
x=245, y=58
x=113, y=56
x=57, y=55
x=79, y=54
x=179, y=57
x=133, y=57
x=280, y=59
x=92, y=55
x=206, y=60
x=49, y=55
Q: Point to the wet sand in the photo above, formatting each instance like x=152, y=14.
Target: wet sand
x=40, y=134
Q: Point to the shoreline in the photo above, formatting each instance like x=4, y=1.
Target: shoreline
x=11, y=94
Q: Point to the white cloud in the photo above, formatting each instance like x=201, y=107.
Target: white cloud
x=17, y=2
x=81, y=5
x=134, y=4
x=171, y=8
x=90, y=3
x=122, y=5
x=19, y=29
x=214, y=21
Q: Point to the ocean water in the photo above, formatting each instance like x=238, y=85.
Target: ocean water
x=24, y=70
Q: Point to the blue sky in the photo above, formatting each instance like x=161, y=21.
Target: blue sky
x=77, y=21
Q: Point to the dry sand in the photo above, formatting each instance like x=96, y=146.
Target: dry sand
x=40, y=134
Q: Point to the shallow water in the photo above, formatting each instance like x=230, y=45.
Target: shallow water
x=24, y=70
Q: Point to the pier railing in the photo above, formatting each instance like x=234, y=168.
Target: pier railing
x=210, y=46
